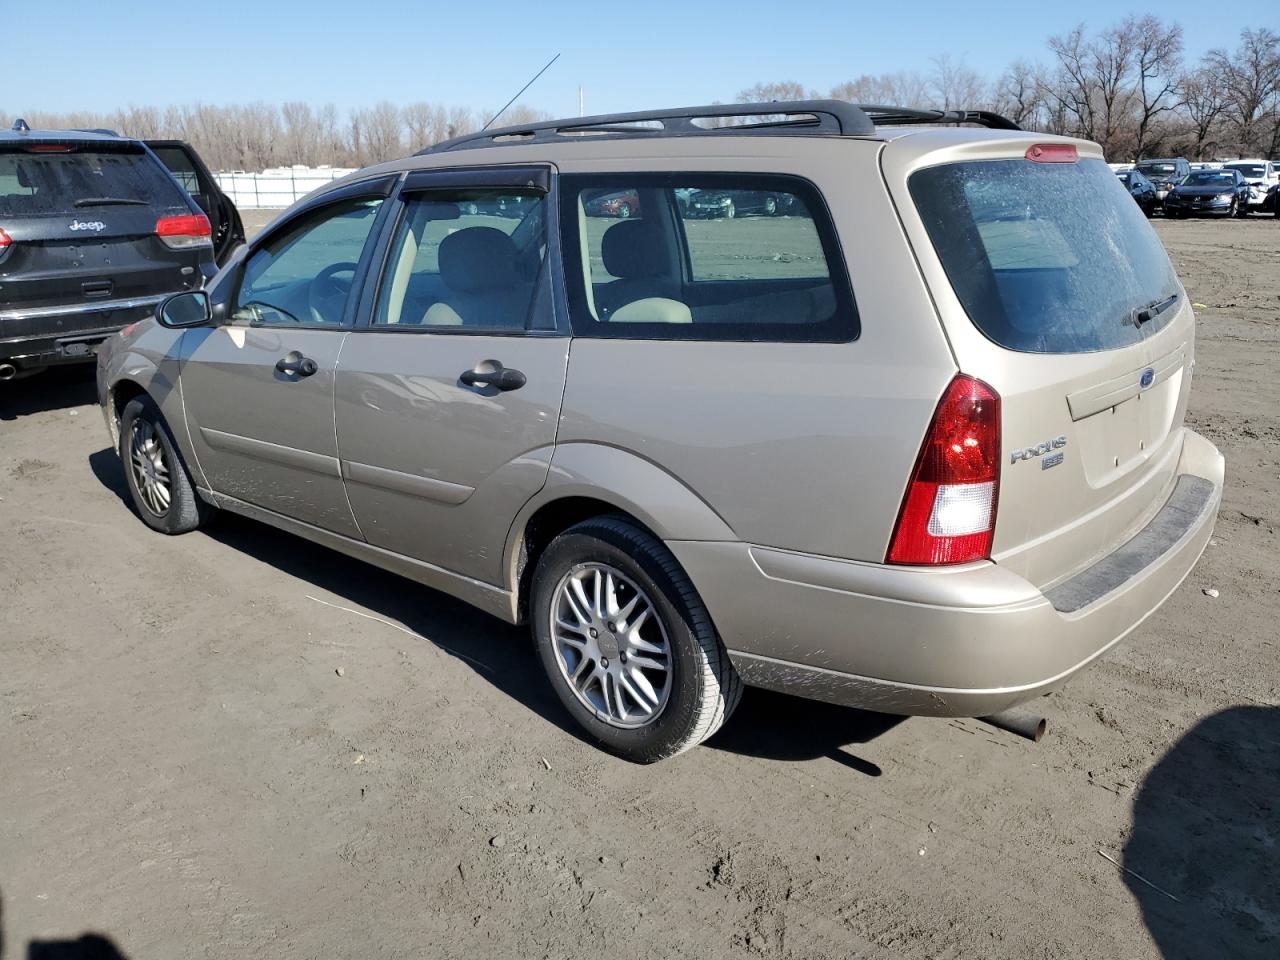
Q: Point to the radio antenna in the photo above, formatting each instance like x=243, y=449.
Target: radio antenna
x=517, y=96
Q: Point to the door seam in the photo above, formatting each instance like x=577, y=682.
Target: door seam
x=342, y=474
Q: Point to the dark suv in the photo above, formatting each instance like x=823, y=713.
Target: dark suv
x=95, y=230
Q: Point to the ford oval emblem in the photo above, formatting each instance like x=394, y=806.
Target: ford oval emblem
x=1148, y=378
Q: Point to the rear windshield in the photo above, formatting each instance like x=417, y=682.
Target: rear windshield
x=39, y=184
x=1045, y=257
x=1255, y=170
x=1165, y=168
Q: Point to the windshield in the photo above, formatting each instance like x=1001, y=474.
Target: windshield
x=1254, y=171
x=1045, y=257
x=1204, y=178
x=39, y=184
x=1158, y=168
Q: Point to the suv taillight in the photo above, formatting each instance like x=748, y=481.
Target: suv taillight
x=191, y=230
x=949, y=512
x=5, y=239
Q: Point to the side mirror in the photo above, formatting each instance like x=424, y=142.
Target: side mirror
x=185, y=310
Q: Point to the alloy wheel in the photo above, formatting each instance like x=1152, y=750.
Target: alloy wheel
x=610, y=645
x=150, y=467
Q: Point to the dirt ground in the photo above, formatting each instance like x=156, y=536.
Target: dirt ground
x=184, y=772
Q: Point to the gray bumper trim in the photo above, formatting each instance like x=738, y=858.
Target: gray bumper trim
x=1191, y=496
x=97, y=306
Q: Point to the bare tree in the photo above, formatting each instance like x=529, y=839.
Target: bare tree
x=901, y=89
x=954, y=86
x=377, y=133
x=1158, y=61
x=1251, y=78
x=1202, y=99
x=778, y=90
x=1019, y=95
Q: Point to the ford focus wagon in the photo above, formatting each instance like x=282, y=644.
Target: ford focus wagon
x=908, y=435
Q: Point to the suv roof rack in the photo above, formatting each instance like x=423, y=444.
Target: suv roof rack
x=799, y=118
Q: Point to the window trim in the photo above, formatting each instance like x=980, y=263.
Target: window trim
x=415, y=183
x=846, y=324
x=372, y=189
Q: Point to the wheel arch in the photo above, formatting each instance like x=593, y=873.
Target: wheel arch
x=591, y=480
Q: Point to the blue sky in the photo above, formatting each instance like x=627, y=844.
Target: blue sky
x=101, y=54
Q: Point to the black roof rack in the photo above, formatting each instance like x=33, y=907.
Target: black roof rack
x=798, y=118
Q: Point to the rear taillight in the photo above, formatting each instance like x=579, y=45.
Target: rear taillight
x=949, y=512
x=191, y=230
x=5, y=239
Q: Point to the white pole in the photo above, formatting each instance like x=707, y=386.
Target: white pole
x=581, y=112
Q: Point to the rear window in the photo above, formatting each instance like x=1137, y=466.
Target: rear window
x=1045, y=257
x=1158, y=168
x=39, y=184
x=1255, y=171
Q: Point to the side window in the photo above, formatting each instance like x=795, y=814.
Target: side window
x=784, y=246
x=703, y=257
x=469, y=259
x=305, y=274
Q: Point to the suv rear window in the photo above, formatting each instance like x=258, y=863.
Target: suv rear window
x=38, y=184
x=1045, y=257
x=703, y=256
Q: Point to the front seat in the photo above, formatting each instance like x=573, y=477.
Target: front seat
x=480, y=268
x=634, y=252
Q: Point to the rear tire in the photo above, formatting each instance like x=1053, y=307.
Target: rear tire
x=690, y=688
x=160, y=486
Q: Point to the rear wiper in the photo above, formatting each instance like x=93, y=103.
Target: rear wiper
x=1153, y=310
x=110, y=202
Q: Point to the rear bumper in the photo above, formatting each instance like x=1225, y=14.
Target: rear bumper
x=952, y=641
x=39, y=336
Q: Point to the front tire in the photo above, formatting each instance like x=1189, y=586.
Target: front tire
x=159, y=484
x=627, y=643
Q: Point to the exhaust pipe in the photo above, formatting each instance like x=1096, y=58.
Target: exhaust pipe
x=8, y=371
x=1022, y=722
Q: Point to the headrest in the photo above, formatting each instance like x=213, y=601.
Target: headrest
x=632, y=249
x=24, y=177
x=478, y=259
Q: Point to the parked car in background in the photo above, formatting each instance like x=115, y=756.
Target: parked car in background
x=1164, y=174
x=1260, y=175
x=1209, y=193
x=738, y=203
x=621, y=205
x=1140, y=188
x=194, y=177
x=919, y=450
x=94, y=232
x=1272, y=202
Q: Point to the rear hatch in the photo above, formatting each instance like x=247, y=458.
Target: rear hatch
x=81, y=222
x=1055, y=290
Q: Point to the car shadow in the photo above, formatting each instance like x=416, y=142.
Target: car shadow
x=88, y=946
x=766, y=725
x=58, y=388
x=1203, y=858
x=775, y=726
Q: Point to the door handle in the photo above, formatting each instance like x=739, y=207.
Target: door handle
x=302, y=366
x=491, y=373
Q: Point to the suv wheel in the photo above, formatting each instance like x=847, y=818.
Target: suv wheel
x=627, y=643
x=161, y=489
